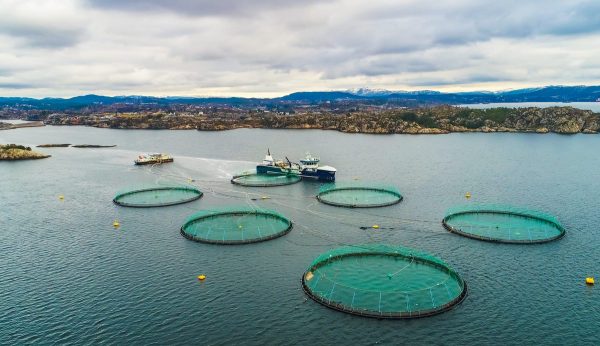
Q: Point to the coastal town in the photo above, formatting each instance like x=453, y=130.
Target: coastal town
x=355, y=119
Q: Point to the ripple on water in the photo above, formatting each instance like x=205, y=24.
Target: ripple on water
x=69, y=277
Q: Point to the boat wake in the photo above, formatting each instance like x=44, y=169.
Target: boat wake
x=213, y=168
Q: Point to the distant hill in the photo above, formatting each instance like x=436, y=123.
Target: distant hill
x=363, y=95
x=545, y=94
x=321, y=96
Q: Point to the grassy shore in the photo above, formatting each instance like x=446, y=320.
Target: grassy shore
x=10, y=152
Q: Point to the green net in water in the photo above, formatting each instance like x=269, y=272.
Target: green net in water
x=265, y=180
x=156, y=196
x=235, y=225
x=502, y=223
x=384, y=281
x=359, y=195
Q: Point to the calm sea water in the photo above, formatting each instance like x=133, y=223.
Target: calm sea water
x=69, y=277
x=593, y=106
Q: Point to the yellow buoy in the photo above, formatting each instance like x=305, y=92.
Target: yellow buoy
x=116, y=224
x=61, y=197
x=201, y=277
x=375, y=226
x=265, y=197
x=309, y=275
x=589, y=281
x=467, y=195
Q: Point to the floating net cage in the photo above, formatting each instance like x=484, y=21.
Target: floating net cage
x=359, y=195
x=156, y=196
x=265, y=180
x=235, y=225
x=503, y=224
x=383, y=281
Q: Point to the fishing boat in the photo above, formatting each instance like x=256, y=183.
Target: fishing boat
x=309, y=168
x=150, y=159
x=277, y=167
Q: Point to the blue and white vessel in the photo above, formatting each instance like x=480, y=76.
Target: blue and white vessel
x=309, y=168
x=277, y=167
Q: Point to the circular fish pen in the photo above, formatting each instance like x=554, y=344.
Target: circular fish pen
x=383, y=281
x=265, y=180
x=157, y=196
x=503, y=224
x=231, y=226
x=359, y=196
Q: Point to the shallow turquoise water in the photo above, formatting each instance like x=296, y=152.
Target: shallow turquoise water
x=246, y=227
x=69, y=277
x=266, y=180
x=504, y=226
x=144, y=196
x=360, y=197
x=384, y=284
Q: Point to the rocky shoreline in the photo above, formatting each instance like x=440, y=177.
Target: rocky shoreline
x=432, y=120
x=13, y=152
x=9, y=126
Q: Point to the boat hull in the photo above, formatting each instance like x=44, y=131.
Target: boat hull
x=319, y=174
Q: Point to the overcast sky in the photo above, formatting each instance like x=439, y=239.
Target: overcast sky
x=273, y=47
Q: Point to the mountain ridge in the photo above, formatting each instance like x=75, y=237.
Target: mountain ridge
x=377, y=96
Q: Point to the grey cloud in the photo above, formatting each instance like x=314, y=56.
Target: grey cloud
x=8, y=85
x=41, y=24
x=464, y=21
x=42, y=37
x=382, y=65
x=203, y=47
x=465, y=79
x=200, y=7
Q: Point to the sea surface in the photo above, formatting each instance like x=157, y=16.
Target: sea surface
x=593, y=106
x=68, y=277
x=14, y=121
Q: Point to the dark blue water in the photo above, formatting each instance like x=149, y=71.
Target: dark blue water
x=68, y=277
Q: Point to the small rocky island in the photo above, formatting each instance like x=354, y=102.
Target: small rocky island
x=9, y=126
x=53, y=145
x=419, y=120
x=87, y=146
x=11, y=152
